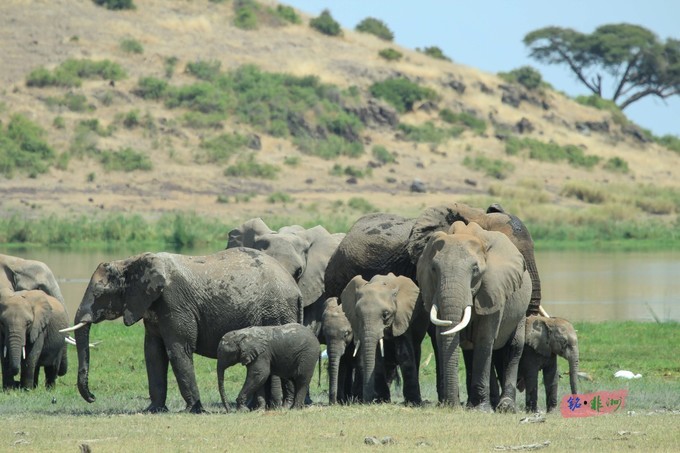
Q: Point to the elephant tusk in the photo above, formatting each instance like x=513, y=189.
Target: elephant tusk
x=467, y=314
x=435, y=320
x=356, y=348
x=71, y=329
x=4, y=351
x=542, y=311
x=72, y=341
x=23, y=352
x=382, y=348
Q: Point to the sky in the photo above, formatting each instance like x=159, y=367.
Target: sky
x=487, y=34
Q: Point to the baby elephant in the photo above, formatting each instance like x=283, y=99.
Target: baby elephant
x=545, y=339
x=289, y=351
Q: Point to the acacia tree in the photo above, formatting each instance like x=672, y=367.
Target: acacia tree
x=638, y=62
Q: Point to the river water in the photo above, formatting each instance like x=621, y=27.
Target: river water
x=577, y=285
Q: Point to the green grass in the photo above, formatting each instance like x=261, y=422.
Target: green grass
x=495, y=168
x=71, y=73
x=23, y=148
x=429, y=133
x=118, y=379
x=550, y=152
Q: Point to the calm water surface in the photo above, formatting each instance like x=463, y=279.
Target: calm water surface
x=577, y=285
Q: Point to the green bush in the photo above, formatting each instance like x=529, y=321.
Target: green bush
x=131, y=119
x=130, y=45
x=249, y=167
x=204, y=70
x=288, y=14
x=390, y=54
x=279, y=197
x=584, y=191
x=94, y=126
x=671, y=142
x=550, y=152
x=126, y=159
x=382, y=155
x=326, y=24
x=75, y=102
x=198, y=120
x=526, y=76
x=478, y=125
x=151, y=88
x=115, y=4
x=434, y=52
x=616, y=165
x=23, y=148
x=599, y=103
x=330, y=148
x=59, y=122
x=170, y=64
x=401, y=93
x=72, y=72
x=221, y=148
x=429, y=133
x=349, y=170
x=245, y=14
x=292, y=161
x=362, y=205
x=494, y=168
x=375, y=27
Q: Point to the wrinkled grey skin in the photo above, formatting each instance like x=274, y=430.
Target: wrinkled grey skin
x=545, y=339
x=381, y=243
x=289, y=351
x=383, y=309
x=188, y=303
x=304, y=253
x=470, y=266
x=336, y=333
x=20, y=274
x=30, y=321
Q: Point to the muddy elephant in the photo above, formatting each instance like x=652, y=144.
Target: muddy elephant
x=303, y=252
x=188, y=303
x=383, y=318
x=289, y=351
x=21, y=274
x=30, y=339
x=476, y=287
x=336, y=332
x=545, y=339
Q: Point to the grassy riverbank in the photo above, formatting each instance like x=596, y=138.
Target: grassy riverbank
x=60, y=420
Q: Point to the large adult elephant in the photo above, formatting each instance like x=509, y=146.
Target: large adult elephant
x=476, y=287
x=303, y=252
x=21, y=274
x=381, y=243
x=30, y=339
x=188, y=303
x=382, y=312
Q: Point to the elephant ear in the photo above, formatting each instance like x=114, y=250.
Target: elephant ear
x=538, y=335
x=503, y=274
x=405, y=296
x=252, y=345
x=145, y=278
x=437, y=218
x=323, y=244
x=424, y=272
x=42, y=312
x=247, y=233
x=348, y=300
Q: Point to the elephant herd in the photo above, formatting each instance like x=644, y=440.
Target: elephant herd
x=464, y=276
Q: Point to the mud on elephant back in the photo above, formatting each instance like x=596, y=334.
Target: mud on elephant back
x=188, y=303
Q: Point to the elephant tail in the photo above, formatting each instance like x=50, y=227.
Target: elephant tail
x=220, y=386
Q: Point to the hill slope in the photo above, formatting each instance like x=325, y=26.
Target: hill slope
x=45, y=33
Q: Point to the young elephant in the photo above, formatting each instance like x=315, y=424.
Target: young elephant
x=545, y=339
x=336, y=331
x=30, y=337
x=289, y=351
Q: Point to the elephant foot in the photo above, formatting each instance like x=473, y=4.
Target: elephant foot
x=481, y=407
x=154, y=409
x=196, y=408
x=505, y=406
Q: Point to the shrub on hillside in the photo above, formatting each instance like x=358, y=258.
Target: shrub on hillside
x=249, y=167
x=126, y=159
x=471, y=121
x=526, y=76
x=599, y=103
x=326, y=24
x=550, y=152
x=382, y=155
x=115, y=4
x=130, y=45
x=434, y=52
x=22, y=147
x=671, y=142
x=375, y=27
x=429, y=133
x=616, y=165
x=204, y=70
x=288, y=14
x=494, y=168
x=151, y=88
x=71, y=72
x=390, y=54
x=401, y=93
x=245, y=14
x=221, y=148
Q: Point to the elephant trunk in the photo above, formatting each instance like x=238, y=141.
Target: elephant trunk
x=572, y=358
x=535, y=284
x=451, y=309
x=335, y=352
x=368, y=348
x=83, y=347
x=16, y=342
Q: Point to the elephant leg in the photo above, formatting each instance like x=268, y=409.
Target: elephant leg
x=156, y=359
x=481, y=372
x=182, y=362
x=50, y=376
x=432, y=333
x=256, y=377
x=406, y=357
x=301, y=390
x=63, y=362
x=530, y=375
x=512, y=354
x=495, y=375
x=550, y=382
x=289, y=393
x=275, y=392
x=467, y=359
x=382, y=388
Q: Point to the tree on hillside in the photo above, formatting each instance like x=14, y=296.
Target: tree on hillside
x=637, y=61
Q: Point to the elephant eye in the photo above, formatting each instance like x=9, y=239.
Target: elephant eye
x=475, y=269
x=347, y=333
x=386, y=315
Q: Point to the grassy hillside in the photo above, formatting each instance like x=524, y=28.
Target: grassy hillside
x=234, y=109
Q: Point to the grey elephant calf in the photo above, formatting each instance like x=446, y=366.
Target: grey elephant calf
x=289, y=351
x=545, y=339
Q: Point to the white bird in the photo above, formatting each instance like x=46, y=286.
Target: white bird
x=627, y=374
